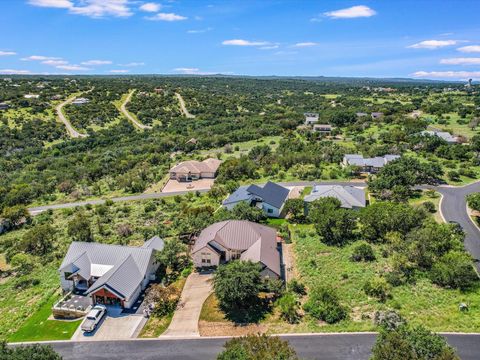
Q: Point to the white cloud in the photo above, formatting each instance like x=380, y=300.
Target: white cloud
x=461, y=61
x=72, y=67
x=240, y=42
x=132, y=64
x=448, y=74
x=470, y=49
x=199, y=31
x=166, y=17
x=96, y=62
x=91, y=8
x=55, y=62
x=150, y=7
x=13, y=72
x=269, y=47
x=119, y=71
x=186, y=70
x=39, y=58
x=60, y=4
x=350, y=13
x=305, y=44
x=7, y=53
x=433, y=44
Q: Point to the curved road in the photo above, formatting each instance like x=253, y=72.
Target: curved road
x=454, y=208
x=70, y=129
x=183, y=108
x=125, y=112
x=315, y=346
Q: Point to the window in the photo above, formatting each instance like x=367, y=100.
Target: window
x=269, y=211
x=67, y=275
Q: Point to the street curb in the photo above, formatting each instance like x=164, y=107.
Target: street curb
x=225, y=337
x=440, y=208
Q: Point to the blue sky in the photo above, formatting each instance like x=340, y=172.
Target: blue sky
x=409, y=38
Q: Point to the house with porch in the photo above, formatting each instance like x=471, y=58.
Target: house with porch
x=194, y=170
x=311, y=118
x=238, y=239
x=270, y=198
x=109, y=274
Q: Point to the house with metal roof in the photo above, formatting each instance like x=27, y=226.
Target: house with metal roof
x=350, y=197
x=368, y=165
x=110, y=274
x=444, y=135
x=195, y=170
x=238, y=239
x=270, y=198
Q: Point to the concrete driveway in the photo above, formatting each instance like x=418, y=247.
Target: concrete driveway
x=185, y=320
x=115, y=326
x=173, y=186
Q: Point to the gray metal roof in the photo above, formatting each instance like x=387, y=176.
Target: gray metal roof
x=128, y=265
x=441, y=134
x=378, y=161
x=257, y=241
x=349, y=196
x=270, y=193
x=155, y=243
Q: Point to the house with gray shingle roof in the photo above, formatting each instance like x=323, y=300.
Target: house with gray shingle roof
x=238, y=239
x=110, y=274
x=350, y=197
x=368, y=165
x=270, y=198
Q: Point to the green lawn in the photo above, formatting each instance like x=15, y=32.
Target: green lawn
x=39, y=328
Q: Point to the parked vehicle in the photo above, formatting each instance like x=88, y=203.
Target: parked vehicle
x=93, y=318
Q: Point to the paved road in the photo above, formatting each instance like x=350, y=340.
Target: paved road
x=185, y=320
x=454, y=207
x=70, y=129
x=38, y=209
x=183, y=108
x=324, y=347
x=124, y=111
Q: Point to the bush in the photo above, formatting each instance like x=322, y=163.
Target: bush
x=323, y=304
x=297, y=287
x=288, y=306
x=388, y=320
x=257, y=347
x=429, y=206
x=453, y=175
x=363, y=252
x=30, y=352
x=163, y=300
x=454, y=270
x=378, y=288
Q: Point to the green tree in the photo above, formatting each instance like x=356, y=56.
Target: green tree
x=363, y=252
x=411, y=343
x=474, y=200
x=30, y=352
x=257, y=347
x=237, y=284
x=38, y=240
x=79, y=228
x=296, y=209
x=22, y=263
x=173, y=257
x=15, y=215
x=288, y=305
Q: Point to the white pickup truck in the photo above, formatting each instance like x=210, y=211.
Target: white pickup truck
x=93, y=318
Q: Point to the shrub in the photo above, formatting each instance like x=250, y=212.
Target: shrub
x=453, y=175
x=297, y=287
x=363, y=252
x=163, y=300
x=257, y=347
x=389, y=320
x=378, y=288
x=454, y=270
x=288, y=306
x=323, y=304
x=429, y=206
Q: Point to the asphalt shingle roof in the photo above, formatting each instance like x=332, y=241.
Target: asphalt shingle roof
x=349, y=196
x=270, y=193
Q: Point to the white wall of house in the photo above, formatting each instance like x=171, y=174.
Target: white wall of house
x=205, y=257
x=66, y=285
x=151, y=270
x=129, y=302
